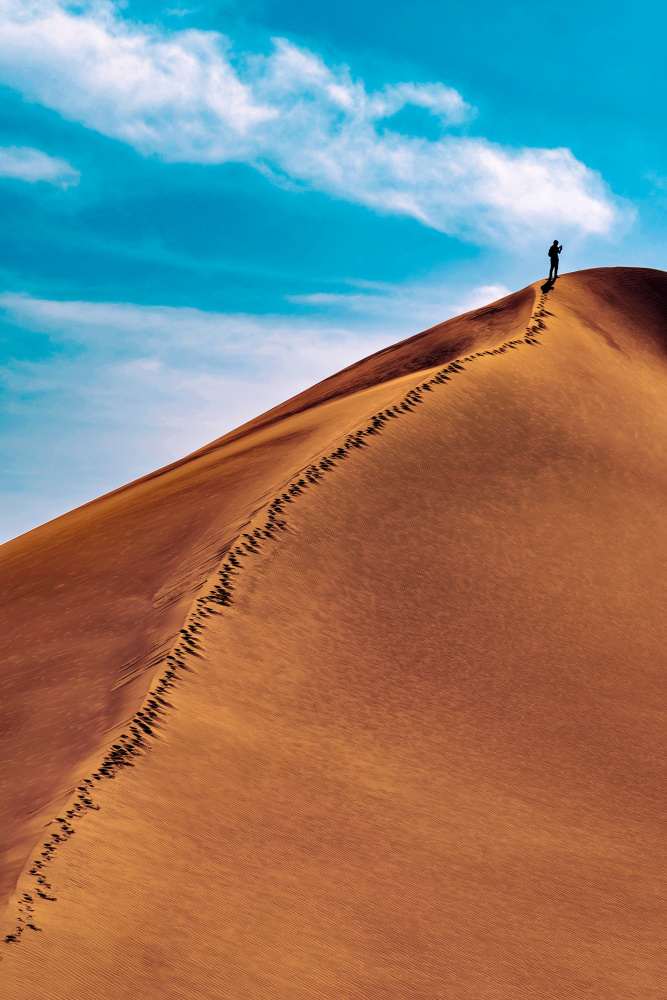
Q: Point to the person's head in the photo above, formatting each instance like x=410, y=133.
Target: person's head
x=555, y=243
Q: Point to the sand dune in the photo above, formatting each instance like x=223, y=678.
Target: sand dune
x=387, y=665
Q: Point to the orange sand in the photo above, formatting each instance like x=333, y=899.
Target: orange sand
x=420, y=755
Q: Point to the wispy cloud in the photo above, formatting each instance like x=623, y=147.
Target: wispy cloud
x=32, y=165
x=188, y=96
x=419, y=304
x=236, y=341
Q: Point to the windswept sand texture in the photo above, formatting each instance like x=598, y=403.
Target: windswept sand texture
x=410, y=740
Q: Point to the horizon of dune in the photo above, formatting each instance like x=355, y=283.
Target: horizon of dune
x=377, y=678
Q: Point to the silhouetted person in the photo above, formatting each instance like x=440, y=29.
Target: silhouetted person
x=553, y=252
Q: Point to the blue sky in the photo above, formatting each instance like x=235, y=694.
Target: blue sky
x=205, y=209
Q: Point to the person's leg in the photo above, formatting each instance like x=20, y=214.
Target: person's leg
x=551, y=270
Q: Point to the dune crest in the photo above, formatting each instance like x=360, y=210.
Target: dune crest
x=413, y=748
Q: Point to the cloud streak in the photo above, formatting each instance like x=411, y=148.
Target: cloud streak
x=188, y=96
x=419, y=305
x=32, y=165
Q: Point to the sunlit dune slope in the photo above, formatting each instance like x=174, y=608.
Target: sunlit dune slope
x=421, y=753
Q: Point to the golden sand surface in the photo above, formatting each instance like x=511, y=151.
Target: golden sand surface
x=408, y=740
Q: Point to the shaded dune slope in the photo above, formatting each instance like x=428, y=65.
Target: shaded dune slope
x=417, y=748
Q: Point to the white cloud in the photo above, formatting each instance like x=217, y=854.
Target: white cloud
x=154, y=91
x=32, y=165
x=250, y=343
x=185, y=95
x=419, y=304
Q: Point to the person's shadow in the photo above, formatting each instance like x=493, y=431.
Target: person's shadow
x=549, y=284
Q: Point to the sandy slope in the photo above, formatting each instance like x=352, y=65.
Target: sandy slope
x=420, y=755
